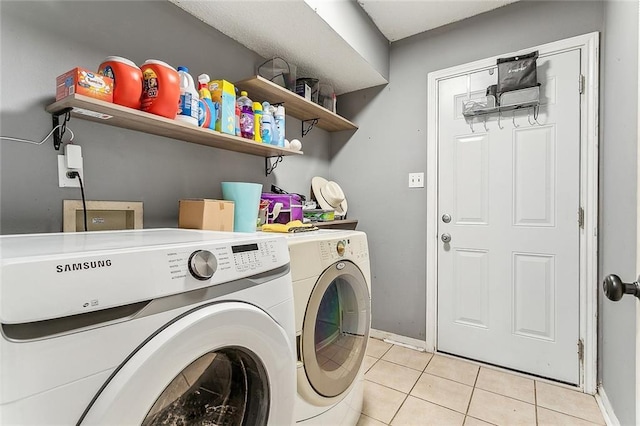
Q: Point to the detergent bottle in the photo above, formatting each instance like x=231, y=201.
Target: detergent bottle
x=208, y=111
x=257, y=122
x=127, y=80
x=238, y=112
x=266, y=125
x=275, y=134
x=279, y=120
x=160, y=88
x=246, y=115
x=189, y=99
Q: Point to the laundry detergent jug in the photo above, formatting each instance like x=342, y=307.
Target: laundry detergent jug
x=160, y=89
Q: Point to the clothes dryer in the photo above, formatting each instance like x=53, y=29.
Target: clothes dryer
x=332, y=286
x=146, y=327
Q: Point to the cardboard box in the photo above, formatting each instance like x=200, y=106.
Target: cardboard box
x=84, y=82
x=224, y=93
x=201, y=213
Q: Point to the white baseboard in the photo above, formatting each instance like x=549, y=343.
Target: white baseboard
x=606, y=408
x=396, y=339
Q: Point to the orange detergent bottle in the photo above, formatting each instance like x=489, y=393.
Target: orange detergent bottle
x=160, y=88
x=127, y=80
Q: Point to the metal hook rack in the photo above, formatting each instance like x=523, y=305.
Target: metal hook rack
x=528, y=98
x=59, y=130
x=268, y=167
x=312, y=122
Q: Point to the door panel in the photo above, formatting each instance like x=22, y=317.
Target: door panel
x=470, y=158
x=508, y=281
x=534, y=295
x=472, y=296
x=534, y=176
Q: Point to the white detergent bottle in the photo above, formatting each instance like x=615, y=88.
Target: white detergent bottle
x=279, y=120
x=275, y=136
x=189, y=98
x=266, y=127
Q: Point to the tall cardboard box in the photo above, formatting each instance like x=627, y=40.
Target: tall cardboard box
x=202, y=213
x=224, y=93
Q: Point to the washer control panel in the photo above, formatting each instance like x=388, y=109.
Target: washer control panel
x=145, y=266
x=243, y=259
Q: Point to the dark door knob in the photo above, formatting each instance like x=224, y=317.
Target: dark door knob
x=614, y=288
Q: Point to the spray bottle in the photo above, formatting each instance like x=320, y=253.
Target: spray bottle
x=267, y=123
x=279, y=120
x=208, y=109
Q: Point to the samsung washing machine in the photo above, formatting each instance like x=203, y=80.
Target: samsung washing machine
x=146, y=327
x=331, y=286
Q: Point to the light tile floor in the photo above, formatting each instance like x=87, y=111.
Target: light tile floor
x=407, y=387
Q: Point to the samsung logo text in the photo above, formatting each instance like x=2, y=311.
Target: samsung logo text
x=69, y=267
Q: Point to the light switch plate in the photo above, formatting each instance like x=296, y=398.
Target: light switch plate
x=416, y=180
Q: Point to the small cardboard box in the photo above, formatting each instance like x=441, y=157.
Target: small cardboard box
x=202, y=213
x=224, y=93
x=84, y=82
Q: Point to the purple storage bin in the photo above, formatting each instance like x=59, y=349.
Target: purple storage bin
x=291, y=208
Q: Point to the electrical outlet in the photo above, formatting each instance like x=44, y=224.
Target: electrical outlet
x=63, y=180
x=416, y=180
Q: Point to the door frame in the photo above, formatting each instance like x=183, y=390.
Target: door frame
x=588, y=44
x=638, y=242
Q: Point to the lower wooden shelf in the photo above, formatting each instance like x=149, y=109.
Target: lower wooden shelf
x=338, y=224
x=91, y=109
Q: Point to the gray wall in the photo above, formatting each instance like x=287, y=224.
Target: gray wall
x=618, y=145
x=373, y=164
x=40, y=40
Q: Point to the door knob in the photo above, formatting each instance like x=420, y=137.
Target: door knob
x=614, y=288
x=445, y=238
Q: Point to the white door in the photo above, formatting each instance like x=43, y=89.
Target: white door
x=508, y=281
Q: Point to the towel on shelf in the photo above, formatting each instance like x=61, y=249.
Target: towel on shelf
x=293, y=226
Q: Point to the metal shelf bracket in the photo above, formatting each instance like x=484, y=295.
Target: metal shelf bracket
x=312, y=122
x=58, y=128
x=269, y=167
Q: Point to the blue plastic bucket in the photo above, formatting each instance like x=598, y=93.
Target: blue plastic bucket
x=246, y=199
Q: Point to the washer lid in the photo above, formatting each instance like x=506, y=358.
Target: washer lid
x=52, y=244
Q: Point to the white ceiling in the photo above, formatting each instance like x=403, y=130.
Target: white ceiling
x=398, y=19
x=295, y=31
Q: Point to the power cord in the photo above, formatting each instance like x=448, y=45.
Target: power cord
x=72, y=175
x=9, y=138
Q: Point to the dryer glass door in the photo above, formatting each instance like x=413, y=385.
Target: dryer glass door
x=218, y=388
x=336, y=329
x=225, y=363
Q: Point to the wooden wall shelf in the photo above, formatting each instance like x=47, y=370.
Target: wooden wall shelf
x=116, y=115
x=296, y=106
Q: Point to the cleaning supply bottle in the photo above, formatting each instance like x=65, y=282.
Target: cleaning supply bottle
x=189, y=99
x=246, y=115
x=266, y=123
x=207, y=111
x=238, y=112
x=279, y=120
x=275, y=134
x=257, y=122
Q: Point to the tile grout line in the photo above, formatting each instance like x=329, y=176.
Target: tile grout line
x=535, y=399
x=473, y=389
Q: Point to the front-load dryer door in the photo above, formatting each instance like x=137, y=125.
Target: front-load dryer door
x=228, y=363
x=336, y=328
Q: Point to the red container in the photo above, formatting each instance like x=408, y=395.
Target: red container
x=127, y=80
x=160, y=89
